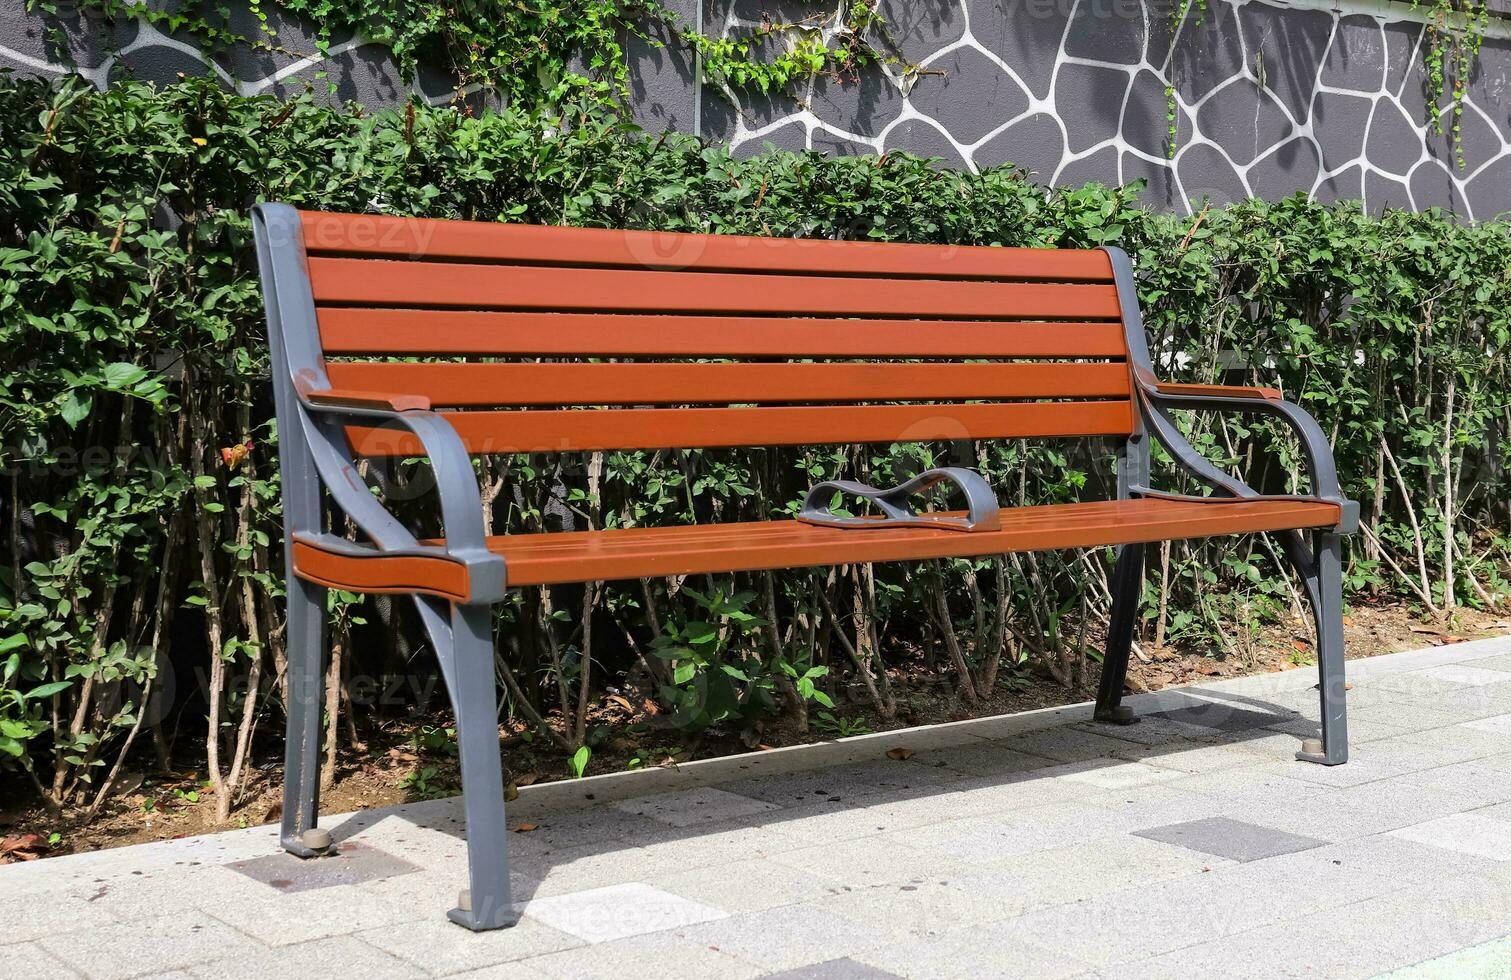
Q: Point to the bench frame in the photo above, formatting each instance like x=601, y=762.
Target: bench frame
x=315, y=459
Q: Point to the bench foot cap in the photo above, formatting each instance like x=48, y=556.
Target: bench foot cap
x=315, y=842
x=1312, y=751
x=1121, y=715
x=464, y=916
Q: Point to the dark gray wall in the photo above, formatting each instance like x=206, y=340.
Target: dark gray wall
x=1273, y=97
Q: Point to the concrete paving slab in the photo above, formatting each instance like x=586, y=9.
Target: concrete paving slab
x=925, y=909
x=30, y=960
x=1482, y=782
x=1232, y=839
x=25, y=917
x=762, y=884
x=286, y=920
x=867, y=861
x=1360, y=811
x=659, y=955
x=1071, y=744
x=352, y=863
x=691, y=807
x=439, y=948
x=824, y=822
x=1019, y=791
x=849, y=784
x=618, y=911
x=1492, y=959
x=991, y=758
x=1470, y=739
x=1080, y=872
x=1106, y=774
x=840, y=969
x=1495, y=724
x=782, y=938
x=1472, y=674
x=1278, y=950
x=970, y=842
x=1412, y=715
x=339, y=956
x=989, y=953
x=723, y=844
x=1467, y=833
x=1151, y=806
x=1267, y=780
x=151, y=945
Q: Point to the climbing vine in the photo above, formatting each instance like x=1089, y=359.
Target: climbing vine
x=775, y=55
x=1178, y=15
x=540, y=52
x=1450, y=47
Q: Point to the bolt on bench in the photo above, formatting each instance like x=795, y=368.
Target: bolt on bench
x=717, y=341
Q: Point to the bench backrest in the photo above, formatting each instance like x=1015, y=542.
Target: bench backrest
x=685, y=341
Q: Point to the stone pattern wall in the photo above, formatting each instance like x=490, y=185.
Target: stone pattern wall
x=103, y=52
x=1273, y=97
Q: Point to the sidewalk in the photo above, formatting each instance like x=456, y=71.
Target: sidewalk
x=1035, y=845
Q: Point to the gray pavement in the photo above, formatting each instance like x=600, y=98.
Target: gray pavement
x=1036, y=845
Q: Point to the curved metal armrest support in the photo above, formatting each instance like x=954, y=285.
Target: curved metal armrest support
x=1321, y=468
x=461, y=502
x=983, y=513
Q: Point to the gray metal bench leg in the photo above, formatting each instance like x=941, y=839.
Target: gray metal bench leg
x=1127, y=583
x=488, y=904
x=1324, y=587
x=306, y=680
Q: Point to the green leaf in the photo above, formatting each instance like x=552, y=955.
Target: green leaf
x=47, y=690
x=121, y=375
x=700, y=634
x=75, y=408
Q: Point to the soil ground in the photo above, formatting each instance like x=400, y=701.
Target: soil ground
x=404, y=761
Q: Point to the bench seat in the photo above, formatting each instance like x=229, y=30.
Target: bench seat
x=584, y=556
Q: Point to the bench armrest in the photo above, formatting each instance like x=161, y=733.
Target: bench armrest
x=376, y=400
x=1217, y=391
x=456, y=482
x=1156, y=397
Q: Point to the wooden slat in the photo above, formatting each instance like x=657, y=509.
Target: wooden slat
x=577, y=556
x=475, y=385
x=374, y=236
x=380, y=574
x=647, y=428
x=372, y=282
x=353, y=330
x=645, y=552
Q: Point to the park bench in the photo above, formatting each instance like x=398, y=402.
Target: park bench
x=659, y=340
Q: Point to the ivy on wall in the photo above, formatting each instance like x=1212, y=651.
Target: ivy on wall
x=538, y=53
x=1455, y=31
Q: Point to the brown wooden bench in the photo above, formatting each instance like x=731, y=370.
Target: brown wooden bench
x=705, y=341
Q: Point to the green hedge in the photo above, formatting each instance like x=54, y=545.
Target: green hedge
x=131, y=327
